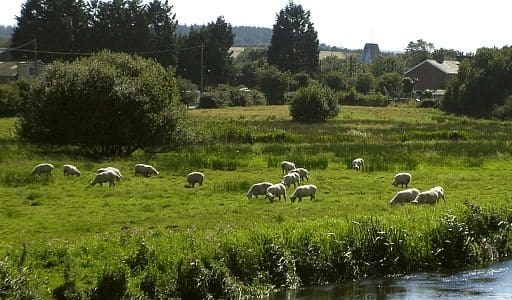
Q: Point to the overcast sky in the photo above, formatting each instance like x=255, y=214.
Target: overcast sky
x=454, y=24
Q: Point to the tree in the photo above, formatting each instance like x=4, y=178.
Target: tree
x=107, y=104
x=294, y=43
x=313, y=104
x=391, y=84
x=274, y=84
x=418, y=51
x=365, y=83
x=162, y=32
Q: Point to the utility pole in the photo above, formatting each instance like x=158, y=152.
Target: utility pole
x=202, y=61
x=35, y=57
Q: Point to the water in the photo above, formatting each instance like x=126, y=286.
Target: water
x=494, y=282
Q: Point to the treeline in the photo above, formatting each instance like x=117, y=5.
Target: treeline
x=245, y=36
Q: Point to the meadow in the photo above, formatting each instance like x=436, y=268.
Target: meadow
x=154, y=238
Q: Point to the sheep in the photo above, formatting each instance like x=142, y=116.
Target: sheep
x=195, y=177
x=426, y=197
x=440, y=192
x=44, y=168
x=287, y=166
x=358, y=164
x=276, y=190
x=404, y=196
x=70, y=170
x=401, y=178
x=290, y=178
x=258, y=189
x=115, y=170
x=109, y=176
x=304, y=191
x=303, y=173
x=145, y=170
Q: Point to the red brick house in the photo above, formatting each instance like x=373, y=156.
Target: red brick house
x=433, y=75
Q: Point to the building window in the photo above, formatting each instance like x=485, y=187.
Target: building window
x=31, y=71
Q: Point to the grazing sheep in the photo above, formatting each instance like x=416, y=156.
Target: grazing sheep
x=287, y=166
x=145, y=170
x=276, y=190
x=427, y=197
x=405, y=196
x=303, y=173
x=195, y=177
x=108, y=176
x=70, y=170
x=115, y=170
x=44, y=168
x=440, y=192
x=358, y=164
x=258, y=189
x=401, y=178
x=290, y=178
x=304, y=191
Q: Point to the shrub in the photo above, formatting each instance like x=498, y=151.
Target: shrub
x=226, y=95
x=274, y=84
x=214, y=99
x=335, y=81
x=313, y=104
x=352, y=97
x=107, y=104
x=428, y=103
x=9, y=100
x=503, y=112
x=188, y=91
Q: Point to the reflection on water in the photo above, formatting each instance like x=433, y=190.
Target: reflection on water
x=493, y=282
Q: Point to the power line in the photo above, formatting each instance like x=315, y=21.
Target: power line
x=91, y=53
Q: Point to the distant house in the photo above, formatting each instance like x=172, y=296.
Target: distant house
x=370, y=52
x=12, y=70
x=433, y=75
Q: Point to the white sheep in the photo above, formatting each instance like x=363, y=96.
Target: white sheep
x=304, y=191
x=440, y=192
x=290, y=178
x=358, y=164
x=145, y=170
x=405, y=196
x=401, y=178
x=303, y=173
x=426, y=197
x=195, y=177
x=276, y=190
x=44, y=168
x=115, y=170
x=258, y=189
x=287, y=166
x=107, y=176
x=70, y=170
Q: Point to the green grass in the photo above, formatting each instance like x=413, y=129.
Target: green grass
x=156, y=231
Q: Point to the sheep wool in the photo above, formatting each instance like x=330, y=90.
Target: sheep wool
x=44, y=168
x=195, y=177
x=308, y=190
x=405, y=196
x=70, y=170
x=287, y=166
x=258, y=189
x=145, y=170
x=402, y=179
x=276, y=190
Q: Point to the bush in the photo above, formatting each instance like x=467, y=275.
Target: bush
x=231, y=96
x=274, y=84
x=9, y=100
x=313, y=104
x=428, y=103
x=335, y=81
x=107, y=104
x=354, y=98
x=188, y=91
x=503, y=112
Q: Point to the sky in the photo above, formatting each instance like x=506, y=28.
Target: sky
x=464, y=25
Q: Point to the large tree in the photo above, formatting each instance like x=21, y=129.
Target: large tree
x=294, y=43
x=418, y=51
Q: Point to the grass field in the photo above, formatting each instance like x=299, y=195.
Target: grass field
x=65, y=231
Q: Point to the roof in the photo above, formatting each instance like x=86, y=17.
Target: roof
x=450, y=67
x=8, y=68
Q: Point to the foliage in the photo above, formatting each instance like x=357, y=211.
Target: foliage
x=364, y=83
x=294, y=43
x=300, y=80
x=418, y=51
x=387, y=64
x=482, y=84
x=108, y=104
x=9, y=100
x=313, y=104
x=335, y=81
x=188, y=91
x=274, y=84
x=391, y=84
x=353, y=97
x=226, y=95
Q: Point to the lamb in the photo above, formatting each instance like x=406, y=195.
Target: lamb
x=287, y=166
x=427, y=197
x=44, y=168
x=195, y=177
x=405, y=196
x=358, y=164
x=440, y=192
x=303, y=173
x=401, y=178
x=115, y=170
x=258, y=189
x=145, y=170
x=109, y=176
x=304, y=191
x=276, y=190
x=70, y=170
x=290, y=178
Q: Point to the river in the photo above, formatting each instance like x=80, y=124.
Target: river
x=493, y=282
